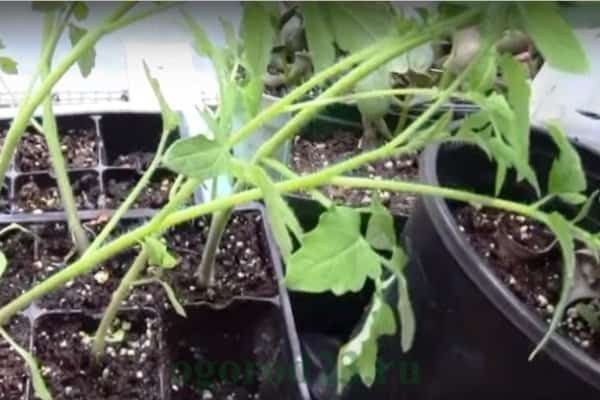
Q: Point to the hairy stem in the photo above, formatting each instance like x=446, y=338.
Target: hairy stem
x=117, y=298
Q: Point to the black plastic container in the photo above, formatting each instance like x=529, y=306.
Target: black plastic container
x=474, y=336
x=121, y=134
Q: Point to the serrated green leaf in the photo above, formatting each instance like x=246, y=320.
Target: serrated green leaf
x=37, y=380
x=483, y=75
x=281, y=215
x=562, y=229
x=170, y=118
x=80, y=10
x=179, y=309
x=197, y=157
x=158, y=254
x=381, y=233
x=553, y=36
x=408, y=323
x=318, y=34
x=566, y=173
x=87, y=60
x=3, y=264
x=573, y=198
x=8, y=66
x=334, y=256
x=359, y=355
x=585, y=210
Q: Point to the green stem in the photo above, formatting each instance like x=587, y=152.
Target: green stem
x=118, y=297
x=205, y=274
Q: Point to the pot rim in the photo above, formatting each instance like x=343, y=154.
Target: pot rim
x=559, y=348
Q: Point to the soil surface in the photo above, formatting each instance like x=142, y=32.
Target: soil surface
x=79, y=147
x=4, y=198
x=243, y=265
x=154, y=195
x=130, y=370
x=138, y=160
x=533, y=275
x=13, y=371
x=37, y=196
x=309, y=155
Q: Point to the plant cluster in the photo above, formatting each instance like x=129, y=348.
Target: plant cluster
x=353, y=50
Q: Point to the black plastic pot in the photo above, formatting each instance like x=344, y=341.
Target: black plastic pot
x=119, y=134
x=474, y=336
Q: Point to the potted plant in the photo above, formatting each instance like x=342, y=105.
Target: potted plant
x=337, y=256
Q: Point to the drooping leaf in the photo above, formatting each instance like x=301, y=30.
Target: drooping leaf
x=80, y=10
x=37, y=380
x=197, y=157
x=573, y=198
x=169, y=117
x=318, y=34
x=379, y=79
x=179, y=309
x=566, y=173
x=158, y=254
x=553, y=36
x=8, y=66
x=334, y=256
x=3, y=264
x=359, y=355
x=381, y=233
x=561, y=228
x=87, y=60
x=281, y=215
x=408, y=324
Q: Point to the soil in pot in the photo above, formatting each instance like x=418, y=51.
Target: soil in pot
x=521, y=253
x=79, y=147
x=5, y=197
x=118, y=184
x=225, y=355
x=39, y=193
x=90, y=292
x=243, y=264
x=310, y=154
x=13, y=371
x=130, y=369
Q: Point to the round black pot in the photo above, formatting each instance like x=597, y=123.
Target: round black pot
x=474, y=336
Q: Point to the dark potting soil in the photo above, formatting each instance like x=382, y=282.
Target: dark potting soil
x=18, y=247
x=13, y=371
x=154, y=195
x=4, y=199
x=531, y=269
x=79, y=148
x=90, y=292
x=243, y=264
x=41, y=194
x=130, y=370
x=310, y=155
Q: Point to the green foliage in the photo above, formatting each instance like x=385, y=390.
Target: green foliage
x=334, y=256
x=3, y=264
x=318, y=35
x=553, y=36
x=408, y=324
x=381, y=233
x=360, y=354
x=590, y=314
x=37, y=380
x=566, y=174
x=172, y=297
x=158, y=254
x=8, y=66
x=80, y=10
x=88, y=58
x=198, y=157
x=170, y=118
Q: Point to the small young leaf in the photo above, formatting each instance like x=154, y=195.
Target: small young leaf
x=116, y=337
x=566, y=174
x=561, y=228
x=37, y=380
x=281, y=216
x=158, y=254
x=334, y=256
x=8, y=66
x=381, y=233
x=318, y=34
x=197, y=157
x=359, y=355
x=87, y=60
x=80, y=10
x=553, y=36
x=173, y=298
x=3, y=264
x=170, y=118
x=408, y=324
